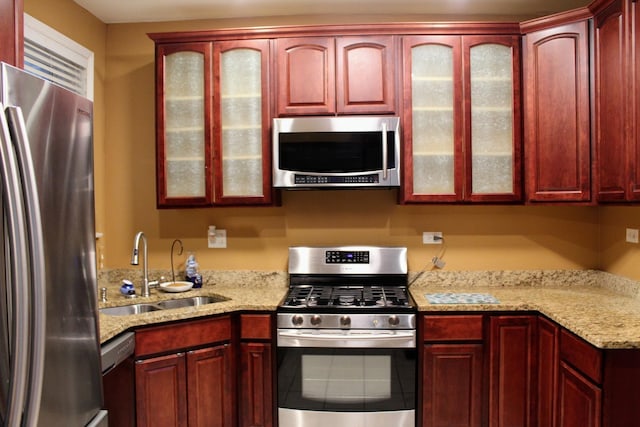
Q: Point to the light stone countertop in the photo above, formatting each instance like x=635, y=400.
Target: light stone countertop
x=245, y=290
x=601, y=308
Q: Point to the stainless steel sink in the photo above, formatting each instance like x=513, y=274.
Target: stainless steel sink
x=126, y=310
x=189, y=302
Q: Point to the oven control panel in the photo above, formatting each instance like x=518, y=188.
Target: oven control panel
x=347, y=260
x=347, y=257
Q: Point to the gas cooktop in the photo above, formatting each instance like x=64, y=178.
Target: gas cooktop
x=345, y=278
x=336, y=296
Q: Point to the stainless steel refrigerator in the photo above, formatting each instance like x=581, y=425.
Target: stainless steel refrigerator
x=49, y=347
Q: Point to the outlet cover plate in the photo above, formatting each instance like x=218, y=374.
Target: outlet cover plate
x=632, y=235
x=220, y=240
x=430, y=238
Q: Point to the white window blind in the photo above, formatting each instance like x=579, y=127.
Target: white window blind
x=55, y=57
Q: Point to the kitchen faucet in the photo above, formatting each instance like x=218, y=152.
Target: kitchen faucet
x=146, y=285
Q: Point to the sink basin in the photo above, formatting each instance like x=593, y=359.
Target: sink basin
x=189, y=302
x=126, y=310
x=129, y=309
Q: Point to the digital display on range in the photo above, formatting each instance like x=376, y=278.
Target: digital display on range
x=347, y=257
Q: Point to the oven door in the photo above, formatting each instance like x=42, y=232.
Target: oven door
x=346, y=378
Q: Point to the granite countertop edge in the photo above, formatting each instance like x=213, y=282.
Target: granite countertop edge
x=601, y=308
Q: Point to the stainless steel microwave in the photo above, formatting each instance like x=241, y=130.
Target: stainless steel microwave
x=336, y=152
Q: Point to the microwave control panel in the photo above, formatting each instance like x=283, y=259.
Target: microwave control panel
x=316, y=179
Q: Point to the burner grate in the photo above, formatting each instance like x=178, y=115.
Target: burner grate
x=346, y=296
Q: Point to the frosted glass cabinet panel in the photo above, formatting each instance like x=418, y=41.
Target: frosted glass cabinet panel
x=461, y=120
x=432, y=68
x=492, y=134
x=491, y=69
x=433, y=142
x=242, y=133
x=184, y=108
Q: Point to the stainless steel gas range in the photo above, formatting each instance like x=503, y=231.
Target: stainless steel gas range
x=346, y=339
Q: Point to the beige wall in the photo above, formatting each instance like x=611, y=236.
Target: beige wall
x=476, y=237
x=616, y=255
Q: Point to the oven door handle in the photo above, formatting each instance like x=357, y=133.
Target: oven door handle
x=341, y=338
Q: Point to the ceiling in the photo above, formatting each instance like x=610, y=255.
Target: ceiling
x=121, y=11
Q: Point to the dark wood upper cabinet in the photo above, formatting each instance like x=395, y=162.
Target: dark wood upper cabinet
x=241, y=123
x=616, y=96
x=365, y=75
x=335, y=75
x=184, y=88
x=11, y=32
x=462, y=121
x=306, y=75
x=433, y=118
x=213, y=121
x=557, y=114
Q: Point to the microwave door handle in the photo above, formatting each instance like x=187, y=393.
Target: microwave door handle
x=385, y=154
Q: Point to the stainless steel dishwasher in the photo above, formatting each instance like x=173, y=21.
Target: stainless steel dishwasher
x=118, y=380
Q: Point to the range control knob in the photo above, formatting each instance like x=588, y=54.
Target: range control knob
x=345, y=321
x=394, y=320
x=297, y=320
x=316, y=320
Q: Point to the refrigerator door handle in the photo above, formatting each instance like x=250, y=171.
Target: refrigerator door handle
x=18, y=276
x=35, y=244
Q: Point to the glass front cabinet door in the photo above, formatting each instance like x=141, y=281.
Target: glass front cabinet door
x=242, y=155
x=461, y=121
x=213, y=133
x=183, y=135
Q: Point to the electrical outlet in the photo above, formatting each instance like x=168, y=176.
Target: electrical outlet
x=432, y=237
x=632, y=235
x=219, y=240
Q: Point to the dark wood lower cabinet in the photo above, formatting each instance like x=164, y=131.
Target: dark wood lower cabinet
x=256, y=385
x=185, y=374
x=548, y=348
x=452, y=395
x=161, y=391
x=256, y=395
x=210, y=387
x=477, y=370
x=192, y=389
x=579, y=401
x=511, y=371
x=452, y=370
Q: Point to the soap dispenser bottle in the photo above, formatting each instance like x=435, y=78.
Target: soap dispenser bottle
x=191, y=271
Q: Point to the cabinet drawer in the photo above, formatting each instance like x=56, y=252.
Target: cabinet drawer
x=452, y=328
x=255, y=326
x=581, y=355
x=178, y=336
